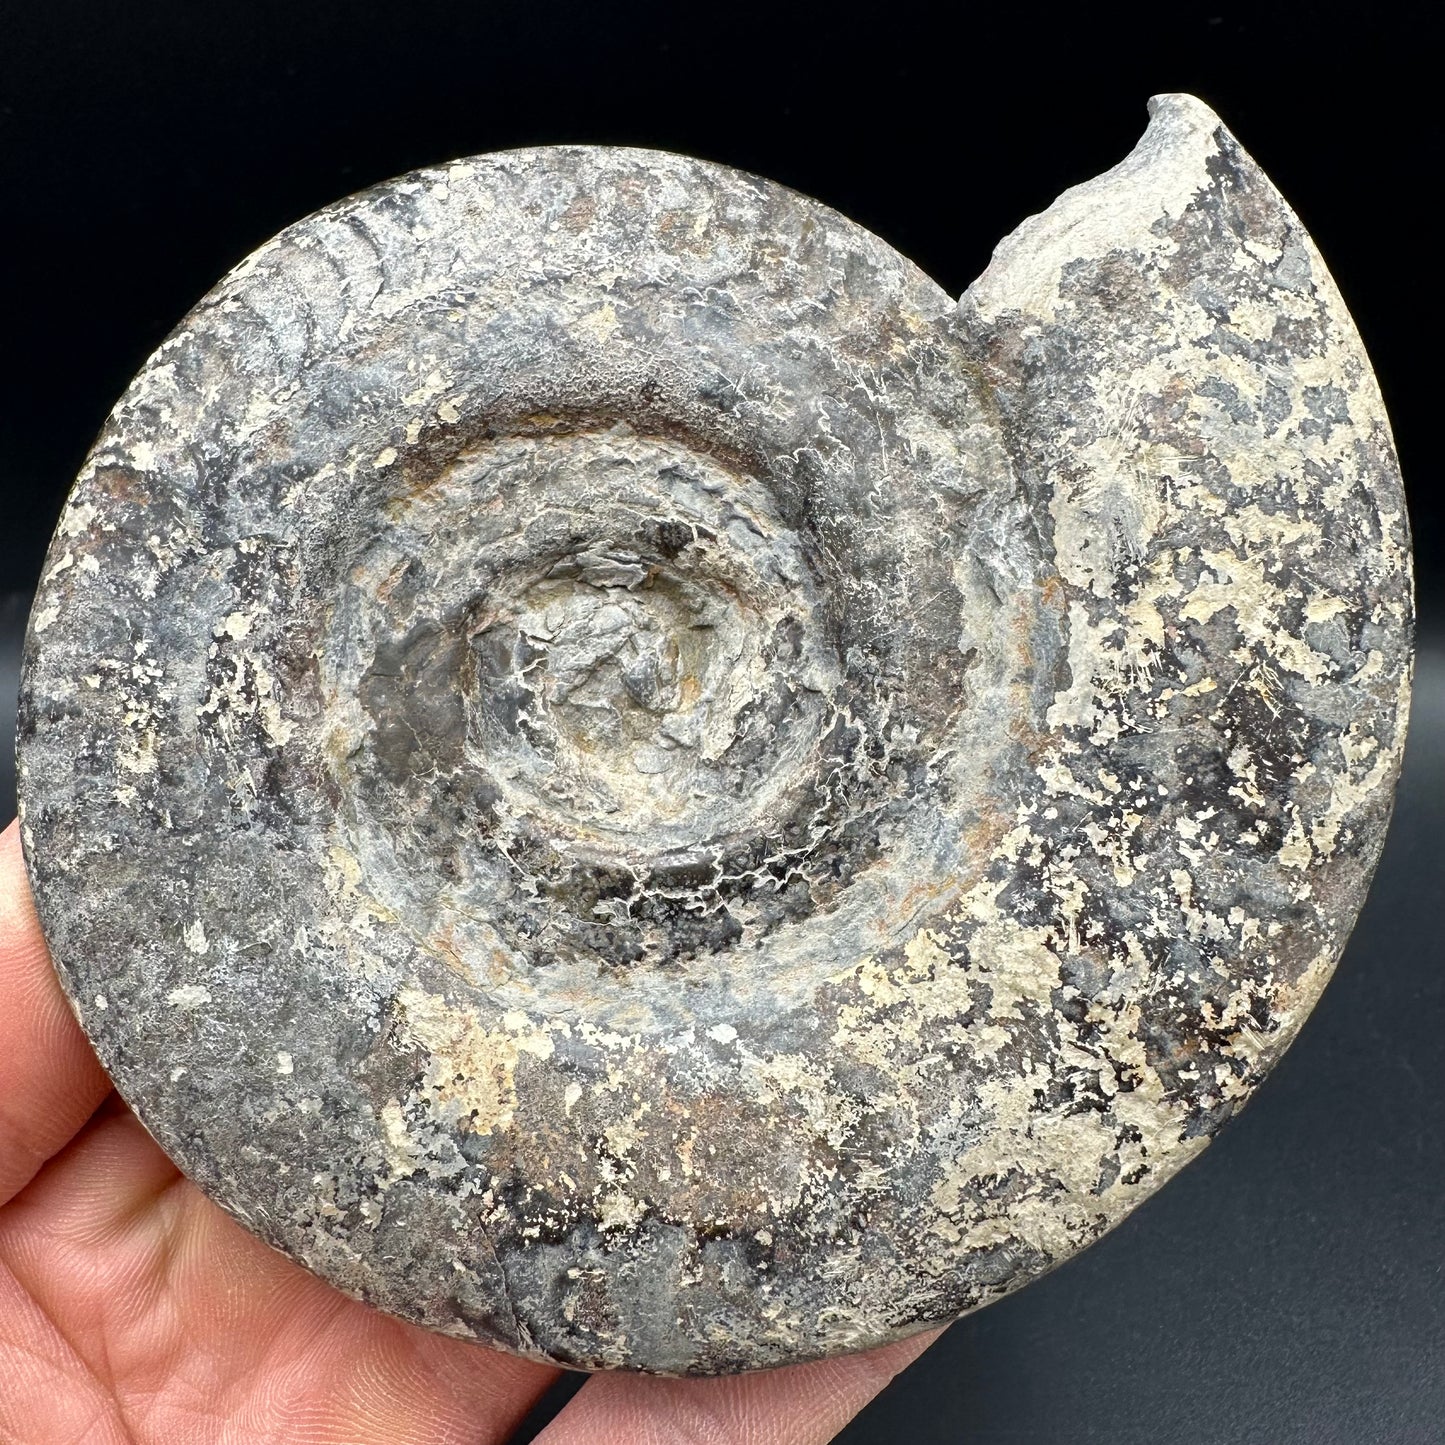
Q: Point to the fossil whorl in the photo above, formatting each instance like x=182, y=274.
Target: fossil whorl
x=618, y=775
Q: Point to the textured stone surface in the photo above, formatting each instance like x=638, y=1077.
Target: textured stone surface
x=618, y=775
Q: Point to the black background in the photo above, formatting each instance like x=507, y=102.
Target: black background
x=1288, y=1287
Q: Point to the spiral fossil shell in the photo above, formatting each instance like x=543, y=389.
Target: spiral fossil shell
x=620, y=776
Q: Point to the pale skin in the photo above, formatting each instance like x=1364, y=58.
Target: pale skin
x=135, y=1312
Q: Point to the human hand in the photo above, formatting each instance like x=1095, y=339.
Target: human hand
x=133, y=1310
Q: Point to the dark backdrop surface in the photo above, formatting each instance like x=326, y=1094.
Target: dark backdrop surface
x=1288, y=1286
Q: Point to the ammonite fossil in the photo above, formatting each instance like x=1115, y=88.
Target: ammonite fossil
x=618, y=775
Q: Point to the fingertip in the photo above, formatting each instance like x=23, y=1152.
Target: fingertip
x=50, y=1079
x=796, y=1405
